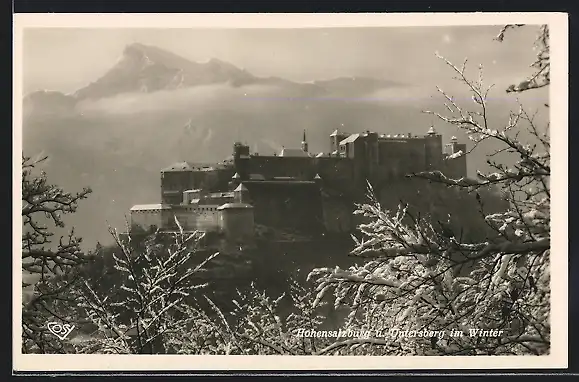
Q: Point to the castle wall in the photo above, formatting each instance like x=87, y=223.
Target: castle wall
x=278, y=166
x=217, y=179
x=237, y=223
x=287, y=205
x=147, y=218
x=173, y=184
x=361, y=170
x=433, y=150
x=400, y=157
x=415, y=160
x=455, y=168
x=202, y=218
x=217, y=200
x=335, y=169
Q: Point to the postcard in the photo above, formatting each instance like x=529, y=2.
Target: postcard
x=277, y=192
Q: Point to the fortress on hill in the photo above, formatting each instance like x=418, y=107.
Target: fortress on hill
x=293, y=190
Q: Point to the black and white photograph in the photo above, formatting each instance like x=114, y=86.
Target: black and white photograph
x=264, y=186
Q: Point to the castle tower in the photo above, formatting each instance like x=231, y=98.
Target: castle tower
x=455, y=165
x=433, y=150
x=236, y=219
x=241, y=194
x=241, y=160
x=453, y=146
x=318, y=179
x=335, y=138
x=235, y=181
x=304, y=143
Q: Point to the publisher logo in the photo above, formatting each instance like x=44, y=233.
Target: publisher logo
x=60, y=330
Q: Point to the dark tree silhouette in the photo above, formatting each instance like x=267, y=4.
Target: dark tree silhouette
x=48, y=265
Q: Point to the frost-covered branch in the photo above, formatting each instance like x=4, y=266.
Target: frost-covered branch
x=50, y=267
x=421, y=275
x=157, y=296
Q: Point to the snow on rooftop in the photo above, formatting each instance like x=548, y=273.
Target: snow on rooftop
x=293, y=153
x=180, y=166
x=241, y=187
x=149, y=207
x=350, y=139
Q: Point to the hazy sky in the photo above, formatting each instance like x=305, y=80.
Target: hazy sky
x=67, y=59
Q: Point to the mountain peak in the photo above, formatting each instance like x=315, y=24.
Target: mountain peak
x=134, y=47
x=216, y=61
x=159, y=56
x=137, y=50
x=146, y=55
x=147, y=68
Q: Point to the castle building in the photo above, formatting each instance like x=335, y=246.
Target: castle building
x=294, y=189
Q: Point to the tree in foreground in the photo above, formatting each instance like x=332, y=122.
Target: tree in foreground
x=154, y=310
x=49, y=267
x=421, y=278
x=158, y=299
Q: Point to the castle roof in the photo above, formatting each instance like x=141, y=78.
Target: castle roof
x=241, y=187
x=256, y=177
x=279, y=182
x=293, y=153
x=351, y=138
x=230, y=206
x=236, y=176
x=431, y=131
x=150, y=207
x=179, y=166
x=188, y=166
x=221, y=195
x=334, y=133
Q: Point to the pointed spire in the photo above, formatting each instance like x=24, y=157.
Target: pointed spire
x=431, y=131
x=304, y=143
x=453, y=139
